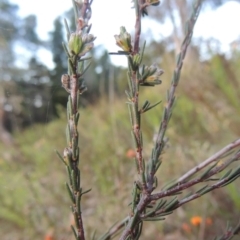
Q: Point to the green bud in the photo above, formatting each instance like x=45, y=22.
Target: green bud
x=75, y=43
x=151, y=75
x=123, y=40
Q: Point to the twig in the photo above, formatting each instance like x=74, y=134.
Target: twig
x=145, y=197
x=114, y=230
x=176, y=77
x=137, y=26
x=230, y=232
x=79, y=43
x=209, y=160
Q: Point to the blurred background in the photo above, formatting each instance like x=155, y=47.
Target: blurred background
x=33, y=199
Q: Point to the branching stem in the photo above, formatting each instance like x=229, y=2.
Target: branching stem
x=209, y=160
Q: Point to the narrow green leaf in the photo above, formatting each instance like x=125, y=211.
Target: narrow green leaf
x=206, y=190
x=72, y=197
x=157, y=165
x=89, y=27
x=130, y=62
x=201, y=189
x=86, y=68
x=161, y=204
x=84, y=59
x=135, y=141
x=105, y=236
x=75, y=11
x=60, y=157
x=170, y=185
x=165, y=213
x=67, y=28
x=66, y=50
x=93, y=235
x=145, y=105
x=128, y=95
x=77, y=115
x=74, y=232
x=231, y=180
x=73, y=176
x=68, y=136
x=139, y=232
x=152, y=219
x=134, y=196
x=149, y=213
x=119, y=53
x=69, y=174
x=78, y=202
x=226, y=174
x=208, y=170
x=142, y=52
x=86, y=191
x=152, y=106
x=78, y=96
x=141, y=142
x=130, y=83
x=147, y=84
x=71, y=69
x=171, y=205
x=78, y=174
x=130, y=113
x=236, y=171
x=69, y=107
x=74, y=157
x=178, y=58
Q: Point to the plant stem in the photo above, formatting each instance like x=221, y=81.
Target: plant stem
x=134, y=111
x=137, y=26
x=73, y=83
x=209, y=160
x=176, y=77
x=145, y=196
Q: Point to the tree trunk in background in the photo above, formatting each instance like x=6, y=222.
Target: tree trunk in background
x=5, y=136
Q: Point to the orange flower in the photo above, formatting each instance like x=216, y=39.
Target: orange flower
x=208, y=221
x=196, y=221
x=130, y=153
x=48, y=237
x=186, y=228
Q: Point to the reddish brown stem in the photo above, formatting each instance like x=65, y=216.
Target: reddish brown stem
x=137, y=29
x=85, y=8
x=74, y=93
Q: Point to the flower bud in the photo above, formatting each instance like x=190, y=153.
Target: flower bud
x=75, y=43
x=88, y=38
x=65, y=79
x=123, y=40
x=86, y=48
x=151, y=75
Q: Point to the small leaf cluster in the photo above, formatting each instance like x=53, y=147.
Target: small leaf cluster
x=79, y=44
